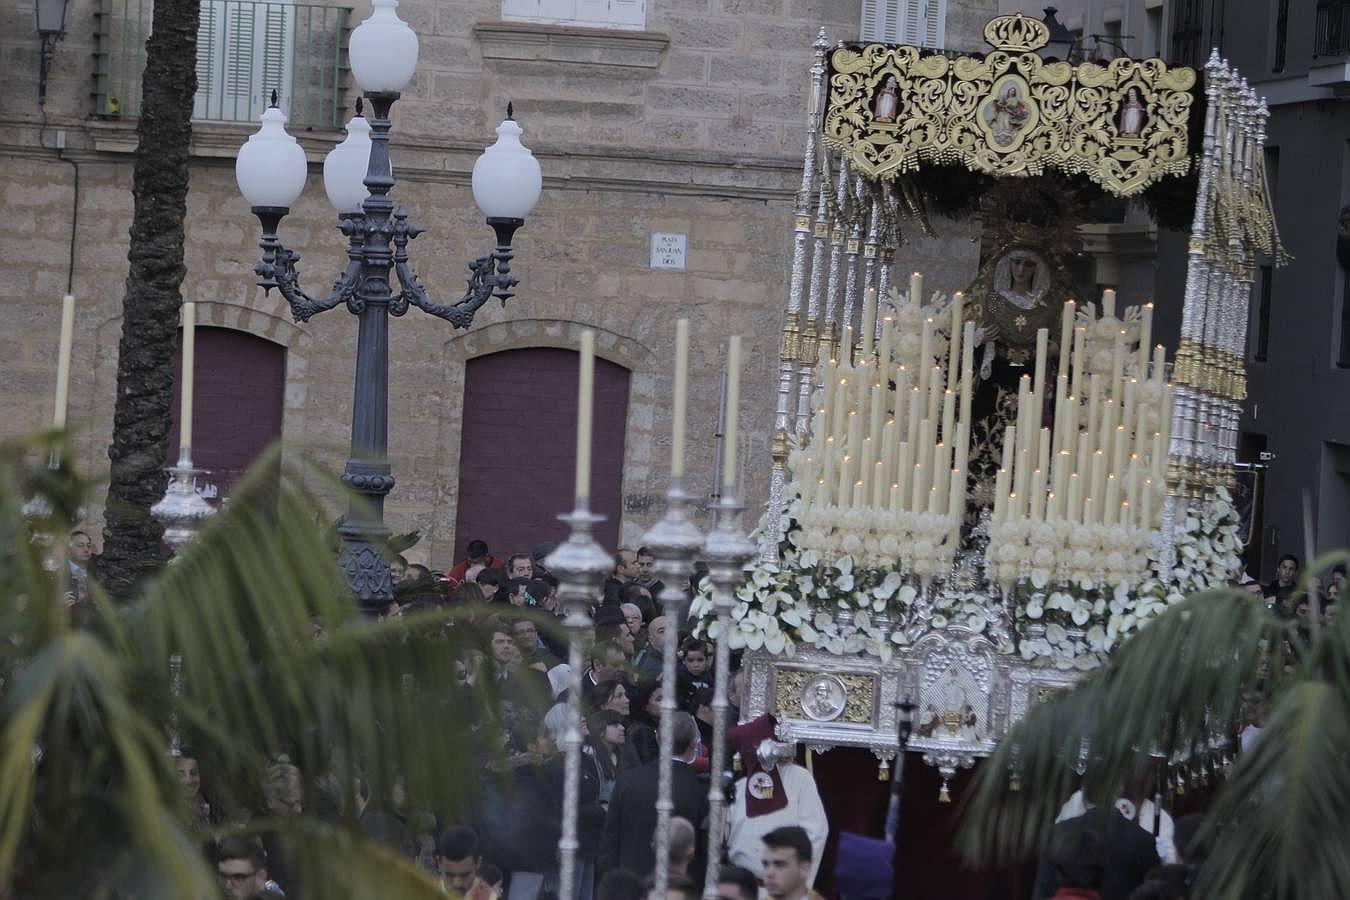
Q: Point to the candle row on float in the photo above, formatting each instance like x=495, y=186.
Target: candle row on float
x=1100, y=462
x=886, y=437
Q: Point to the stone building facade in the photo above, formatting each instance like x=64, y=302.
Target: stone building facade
x=691, y=123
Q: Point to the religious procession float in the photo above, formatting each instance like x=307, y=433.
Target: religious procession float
x=979, y=490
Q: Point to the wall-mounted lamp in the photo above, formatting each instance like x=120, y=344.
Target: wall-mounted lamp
x=1061, y=38
x=50, y=18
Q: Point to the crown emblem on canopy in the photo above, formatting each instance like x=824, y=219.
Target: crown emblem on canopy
x=1016, y=33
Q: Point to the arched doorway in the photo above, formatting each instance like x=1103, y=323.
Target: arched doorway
x=240, y=394
x=518, y=448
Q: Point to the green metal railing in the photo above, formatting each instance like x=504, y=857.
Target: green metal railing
x=245, y=50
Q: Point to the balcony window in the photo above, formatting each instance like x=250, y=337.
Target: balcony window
x=918, y=23
x=1333, y=28
x=587, y=13
x=245, y=50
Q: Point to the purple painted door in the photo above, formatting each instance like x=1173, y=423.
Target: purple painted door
x=240, y=393
x=517, y=457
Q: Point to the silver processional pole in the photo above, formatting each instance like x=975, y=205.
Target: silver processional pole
x=673, y=541
x=580, y=564
x=727, y=551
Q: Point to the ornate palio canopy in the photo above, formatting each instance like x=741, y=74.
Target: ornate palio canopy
x=1123, y=124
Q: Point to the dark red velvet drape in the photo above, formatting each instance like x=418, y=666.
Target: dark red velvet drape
x=927, y=865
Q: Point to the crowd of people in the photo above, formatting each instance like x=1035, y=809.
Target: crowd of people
x=502, y=843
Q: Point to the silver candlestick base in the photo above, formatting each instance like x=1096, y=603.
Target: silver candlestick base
x=727, y=551
x=183, y=510
x=673, y=541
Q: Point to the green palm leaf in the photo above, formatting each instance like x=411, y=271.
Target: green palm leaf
x=85, y=714
x=1171, y=692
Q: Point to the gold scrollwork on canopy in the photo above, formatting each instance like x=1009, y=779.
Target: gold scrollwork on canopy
x=1123, y=124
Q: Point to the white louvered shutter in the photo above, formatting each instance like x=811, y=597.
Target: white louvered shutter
x=556, y=10
x=921, y=23
x=520, y=9
x=594, y=13
x=275, y=30
x=932, y=26
x=210, y=46
x=880, y=21
x=628, y=13
x=244, y=52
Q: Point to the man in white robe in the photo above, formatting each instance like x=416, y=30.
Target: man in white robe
x=774, y=792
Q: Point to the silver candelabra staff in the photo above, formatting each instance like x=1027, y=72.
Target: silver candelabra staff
x=727, y=551
x=580, y=564
x=673, y=541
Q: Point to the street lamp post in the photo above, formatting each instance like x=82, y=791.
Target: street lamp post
x=271, y=170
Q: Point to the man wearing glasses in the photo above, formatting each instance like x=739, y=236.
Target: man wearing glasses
x=243, y=869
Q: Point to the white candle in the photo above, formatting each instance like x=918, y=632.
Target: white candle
x=934, y=394
x=916, y=289
x=1079, y=348
x=954, y=332
x=189, y=365
x=1038, y=495
x=948, y=416
x=1075, y=512
x=681, y=398
x=1115, y=388
x=63, y=360
x=875, y=419
x=1145, y=335
x=1042, y=350
x=1108, y=304
x=1146, y=505
x=905, y=469
x=1159, y=364
x=838, y=406
x=1094, y=408
x=884, y=354
x=967, y=369
x=585, y=403
x=1066, y=336
x=888, y=442
x=925, y=355
x=869, y=320
x=842, y=492
x=1098, y=487
x=1001, y=495
x=733, y=410
x=956, y=494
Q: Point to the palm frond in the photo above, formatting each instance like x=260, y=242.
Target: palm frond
x=1166, y=693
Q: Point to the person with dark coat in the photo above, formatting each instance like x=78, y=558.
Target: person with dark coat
x=631, y=819
x=1127, y=853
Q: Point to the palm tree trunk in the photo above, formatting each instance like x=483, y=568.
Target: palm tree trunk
x=150, y=308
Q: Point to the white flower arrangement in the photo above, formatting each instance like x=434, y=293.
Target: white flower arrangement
x=1070, y=618
x=836, y=606
x=1075, y=628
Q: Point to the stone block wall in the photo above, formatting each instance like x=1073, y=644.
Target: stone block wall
x=696, y=128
